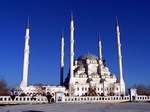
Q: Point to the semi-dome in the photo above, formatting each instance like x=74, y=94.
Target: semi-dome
x=88, y=56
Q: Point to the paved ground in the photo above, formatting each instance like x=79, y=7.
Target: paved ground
x=120, y=107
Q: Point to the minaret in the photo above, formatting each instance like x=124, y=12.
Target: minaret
x=121, y=81
x=100, y=55
x=26, y=58
x=71, y=85
x=100, y=47
x=62, y=60
x=71, y=46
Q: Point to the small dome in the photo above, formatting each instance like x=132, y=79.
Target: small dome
x=88, y=56
x=17, y=88
x=81, y=68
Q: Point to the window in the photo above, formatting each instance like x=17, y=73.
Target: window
x=5, y=99
x=82, y=89
x=1, y=99
x=78, y=88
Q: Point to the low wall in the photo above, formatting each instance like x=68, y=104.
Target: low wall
x=22, y=99
x=142, y=98
x=96, y=99
x=70, y=99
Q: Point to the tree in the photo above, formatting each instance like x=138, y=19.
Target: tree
x=92, y=91
x=4, y=89
x=142, y=89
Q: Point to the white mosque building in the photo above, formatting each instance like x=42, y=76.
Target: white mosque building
x=88, y=75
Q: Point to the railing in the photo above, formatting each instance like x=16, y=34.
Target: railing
x=143, y=98
x=70, y=99
x=96, y=99
x=22, y=99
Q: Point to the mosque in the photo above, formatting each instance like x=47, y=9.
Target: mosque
x=88, y=75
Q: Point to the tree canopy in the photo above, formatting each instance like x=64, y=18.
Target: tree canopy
x=4, y=89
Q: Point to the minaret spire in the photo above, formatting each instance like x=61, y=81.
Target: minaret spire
x=26, y=58
x=71, y=15
x=28, y=24
x=62, y=59
x=121, y=81
x=117, y=24
x=99, y=46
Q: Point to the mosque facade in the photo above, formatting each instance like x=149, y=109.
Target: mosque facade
x=88, y=74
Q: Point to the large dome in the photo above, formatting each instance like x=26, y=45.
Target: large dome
x=88, y=56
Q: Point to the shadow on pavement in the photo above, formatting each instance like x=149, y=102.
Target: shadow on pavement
x=32, y=111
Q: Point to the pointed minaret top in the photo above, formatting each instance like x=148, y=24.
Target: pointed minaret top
x=71, y=15
x=117, y=21
x=99, y=37
x=28, y=26
x=62, y=34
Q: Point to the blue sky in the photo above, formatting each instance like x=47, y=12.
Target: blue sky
x=49, y=17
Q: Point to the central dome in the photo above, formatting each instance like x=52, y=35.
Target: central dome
x=88, y=56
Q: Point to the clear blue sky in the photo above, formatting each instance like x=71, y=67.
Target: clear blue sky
x=49, y=17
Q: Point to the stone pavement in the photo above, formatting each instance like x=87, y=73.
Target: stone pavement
x=118, y=107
